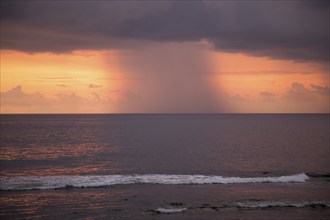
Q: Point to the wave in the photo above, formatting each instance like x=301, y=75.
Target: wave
x=58, y=182
x=273, y=204
x=246, y=205
x=169, y=210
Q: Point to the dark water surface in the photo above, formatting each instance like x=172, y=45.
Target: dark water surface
x=208, y=166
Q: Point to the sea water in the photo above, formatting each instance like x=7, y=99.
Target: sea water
x=206, y=160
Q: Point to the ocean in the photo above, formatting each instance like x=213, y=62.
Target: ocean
x=165, y=166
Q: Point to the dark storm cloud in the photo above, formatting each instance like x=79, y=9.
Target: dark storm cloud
x=297, y=30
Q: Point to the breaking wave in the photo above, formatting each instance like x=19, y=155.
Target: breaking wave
x=247, y=205
x=273, y=204
x=169, y=210
x=58, y=182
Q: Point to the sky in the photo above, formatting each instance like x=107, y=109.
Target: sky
x=164, y=56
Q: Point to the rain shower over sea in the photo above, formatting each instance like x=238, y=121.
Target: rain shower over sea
x=165, y=166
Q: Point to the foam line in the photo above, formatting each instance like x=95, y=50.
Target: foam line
x=55, y=182
x=272, y=204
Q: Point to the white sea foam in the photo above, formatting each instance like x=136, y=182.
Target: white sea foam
x=274, y=204
x=54, y=182
x=250, y=205
x=170, y=210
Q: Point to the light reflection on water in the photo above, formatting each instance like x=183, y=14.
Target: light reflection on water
x=228, y=145
x=103, y=203
x=101, y=168
x=57, y=145
x=51, y=152
x=136, y=201
x=38, y=205
x=78, y=159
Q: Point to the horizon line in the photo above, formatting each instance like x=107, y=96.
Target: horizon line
x=185, y=113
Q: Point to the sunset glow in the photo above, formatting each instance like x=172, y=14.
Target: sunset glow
x=111, y=74
x=81, y=75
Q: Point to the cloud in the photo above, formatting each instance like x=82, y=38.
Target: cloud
x=16, y=97
x=267, y=96
x=16, y=100
x=298, y=92
x=294, y=30
x=93, y=86
x=297, y=99
x=238, y=98
x=321, y=90
x=71, y=99
x=61, y=85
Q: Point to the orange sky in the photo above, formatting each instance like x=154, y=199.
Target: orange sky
x=81, y=74
x=99, y=82
x=164, y=57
